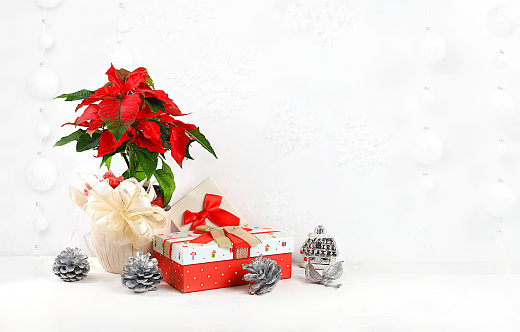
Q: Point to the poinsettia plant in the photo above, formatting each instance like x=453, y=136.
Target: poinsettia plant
x=129, y=117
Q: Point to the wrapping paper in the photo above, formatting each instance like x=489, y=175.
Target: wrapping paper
x=176, y=246
x=205, y=276
x=194, y=202
x=191, y=267
x=125, y=211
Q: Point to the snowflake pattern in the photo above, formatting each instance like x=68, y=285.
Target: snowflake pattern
x=361, y=146
x=294, y=127
x=168, y=19
x=278, y=210
x=217, y=89
x=322, y=18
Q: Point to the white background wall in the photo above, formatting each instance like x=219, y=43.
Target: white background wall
x=311, y=107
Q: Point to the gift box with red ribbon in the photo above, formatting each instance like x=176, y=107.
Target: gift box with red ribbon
x=218, y=243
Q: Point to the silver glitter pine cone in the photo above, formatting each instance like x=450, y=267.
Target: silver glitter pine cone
x=264, y=273
x=71, y=265
x=142, y=273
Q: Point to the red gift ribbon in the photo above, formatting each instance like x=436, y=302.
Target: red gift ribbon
x=211, y=211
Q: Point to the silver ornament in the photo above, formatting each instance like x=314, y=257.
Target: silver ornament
x=142, y=273
x=319, y=248
x=330, y=273
x=71, y=265
x=265, y=274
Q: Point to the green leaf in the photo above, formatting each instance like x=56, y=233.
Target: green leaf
x=70, y=138
x=149, y=80
x=81, y=94
x=121, y=148
x=147, y=161
x=188, y=156
x=126, y=175
x=85, y=142
x=155, y=104
x=165, y=178
x=199, y=137
x=140, y=175
x=107, y=160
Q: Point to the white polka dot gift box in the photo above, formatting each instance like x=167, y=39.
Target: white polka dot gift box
x=211, y=254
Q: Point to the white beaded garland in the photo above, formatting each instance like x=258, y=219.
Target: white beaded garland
x=123, y=24
x=43, y=84
x=426, y=148
x=43, y=130
x=40, y=223
x=431, y=49
x=47, y=3
x=41, y=174
x=499, y=200
x=502, y=20
x=45, y=40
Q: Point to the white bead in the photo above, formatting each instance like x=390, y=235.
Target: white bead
x=426, y=184
x=40, y=223
x=428, y=96
x=499, y=200
x=501, y=102
x=430, y=49
x=47, y=3
x=41, y=174
x=502, y=20
x=43, y=130
x=500, y=60
x=426, y=148
x=120, y=56
x=123, y=24
x=502, y=148
x=45, y=40
x=43, y=84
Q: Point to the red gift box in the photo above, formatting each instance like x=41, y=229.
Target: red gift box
x=192, y=267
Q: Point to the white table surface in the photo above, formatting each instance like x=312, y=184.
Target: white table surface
x=33, y=299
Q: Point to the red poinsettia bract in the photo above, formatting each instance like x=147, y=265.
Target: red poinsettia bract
x=132, y=111
x=128, y=116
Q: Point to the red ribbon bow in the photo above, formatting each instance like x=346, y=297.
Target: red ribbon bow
x=213, y=212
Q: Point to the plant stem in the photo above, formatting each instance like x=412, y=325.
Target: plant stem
x=131, y=166
x=125, y=157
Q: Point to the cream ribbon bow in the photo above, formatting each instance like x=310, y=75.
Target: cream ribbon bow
x=125, y=211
